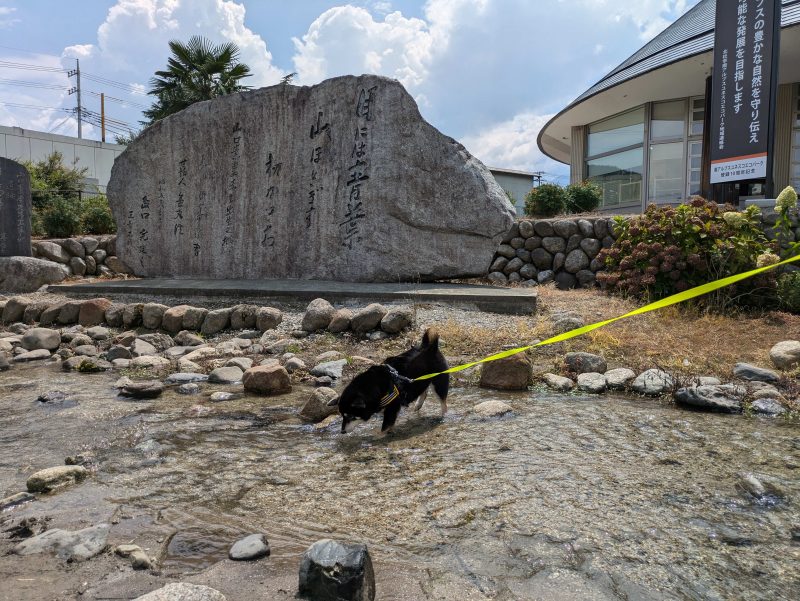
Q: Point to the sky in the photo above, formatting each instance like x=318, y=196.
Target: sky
x=489, y=73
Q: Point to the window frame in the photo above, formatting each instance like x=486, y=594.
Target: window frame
x=794, y=164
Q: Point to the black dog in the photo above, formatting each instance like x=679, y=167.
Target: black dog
x=390, y=386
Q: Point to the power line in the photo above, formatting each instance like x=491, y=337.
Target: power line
x=31, y=84
x=116, y=84
x=62, y=122
x=30, y=67
x=119, y=100
x=34, y=106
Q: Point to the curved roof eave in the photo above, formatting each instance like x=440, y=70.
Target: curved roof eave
x=690, y=37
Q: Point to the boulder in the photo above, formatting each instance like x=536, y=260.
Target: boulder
x=194, y=317
x=143, y=390
x=89, y=244
x=50, y=314
x=768, y=406
x=87, y=365
x=187, y=338
x=41, y=338
x=652, y=382
x=93, y=312
x=565, y=228
x=316, y=407
x=368, y=318
x=725, y=398
x=620, y=378
x=591, y=382
x=150, y=361
x=116, y=265
x=559, y=383
x=243, y=317
x=565, y=280
x=318, y=315
x=152, y=314
x=33, y=312
x=158, y=340
x=77, y=266
x=786, y=354
x=142, y=348
x=576, y=260
x=183, y=591
x=52, y=478
x=745, y=371
x=37, y=355
x=172, y=319
x=118, y=352
x=580, y=363
x=26, y=274
x=525, y=229
x=336, y=234
x=268, y=318
x=340, y=322
x=114, y=315
x=334, y=571
x=216, y=321
x=554, y=244
x=250, y=547
x=511, y=373
x=225, y=375
x=332, y=369
x=70, y=312
x=79, y=545
x=267, y=379
x=489, y=409
x=132, y=315
x=54, y=252
x=396, y=320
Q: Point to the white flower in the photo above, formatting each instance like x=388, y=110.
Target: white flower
x=786, y=200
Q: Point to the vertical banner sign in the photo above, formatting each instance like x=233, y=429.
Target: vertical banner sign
x=744, y=83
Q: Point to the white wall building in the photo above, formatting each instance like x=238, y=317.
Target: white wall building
x=27, y=145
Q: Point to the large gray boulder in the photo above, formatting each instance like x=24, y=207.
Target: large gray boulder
x=314, y=184
x=26, y=274
x=334, y=571
x=79, y=545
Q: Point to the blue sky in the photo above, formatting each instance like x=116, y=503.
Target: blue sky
x=489, y=73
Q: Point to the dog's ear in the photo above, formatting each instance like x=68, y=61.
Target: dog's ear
x=333, y=402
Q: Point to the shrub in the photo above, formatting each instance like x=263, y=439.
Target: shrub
x=51, y=179
x=545, y=200
x=62, y=218
x=789, y=291
x=670, y=249
x=584, y=197
x=97, y=217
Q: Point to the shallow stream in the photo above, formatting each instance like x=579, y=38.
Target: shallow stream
x=638, y=497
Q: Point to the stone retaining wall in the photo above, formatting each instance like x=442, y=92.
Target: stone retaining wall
x=82, y=256
x=564, y=250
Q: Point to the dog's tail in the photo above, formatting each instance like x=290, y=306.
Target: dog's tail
x=430, y=339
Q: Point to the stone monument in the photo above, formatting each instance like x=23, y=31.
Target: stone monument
x=339, y=181
x=15, y=209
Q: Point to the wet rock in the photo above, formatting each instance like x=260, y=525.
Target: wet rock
x=79, y=545
x=158, y=340
x=745, y=371
x=620, y=378
x=172, y=319
x=14, y=500
x=316, y=407
x=318, y=315
x=139, y=559
x=768, y=406
x=143, y=390
x=142, y=348
x=561, y=584
x=334, y=571
x=652, y=382
x=188, y=389
x=49, y=479
x=53, y=396
x=37, y=355
x=332, y=369
x=225, y=375
x=489, y=409
x=41, y=338
x=558, y=383
x=367, y=319
x=592, y=382
x=786, y=354
x=267, y=380
x=93, y=312
x=579, y=363
x=185, y=378
x=396, y=320
x=511, y=373
x=183, y=591
x=268, y=318
x=725, y=398
x=250, y=547
x=187, y=338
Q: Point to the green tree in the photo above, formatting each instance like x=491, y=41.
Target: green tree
x=51, y=179
x=197, y=70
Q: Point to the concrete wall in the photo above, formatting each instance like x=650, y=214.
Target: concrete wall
x=519, y=184
x=28, y=145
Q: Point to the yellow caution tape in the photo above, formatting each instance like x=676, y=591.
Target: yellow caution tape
x=660, y=304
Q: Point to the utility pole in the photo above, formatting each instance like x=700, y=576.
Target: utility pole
x=102, y=116
x=77, y=90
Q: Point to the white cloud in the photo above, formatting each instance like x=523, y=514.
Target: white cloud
x=649, y=16
x=6, y=20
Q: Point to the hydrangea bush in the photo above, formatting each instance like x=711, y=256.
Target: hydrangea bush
x=671, y=249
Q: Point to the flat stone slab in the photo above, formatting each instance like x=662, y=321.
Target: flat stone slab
x=515, y=301
x=79, y=545
x=250, y=547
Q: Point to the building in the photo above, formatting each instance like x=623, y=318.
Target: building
x=638, y=132
x=27, y=145
x=516, y=184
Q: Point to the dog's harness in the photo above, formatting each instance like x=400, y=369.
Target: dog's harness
x=386, y=400
x=395, y=392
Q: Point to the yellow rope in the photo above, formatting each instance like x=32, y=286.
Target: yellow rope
x=660, y=304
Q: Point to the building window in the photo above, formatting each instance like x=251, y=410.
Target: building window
x=619, y=176
x=615, y=156
x=694, y=168
x=666, y=174
x=668, y=121
x=794, y=170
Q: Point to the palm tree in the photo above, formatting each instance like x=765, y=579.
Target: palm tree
x=196, y=71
